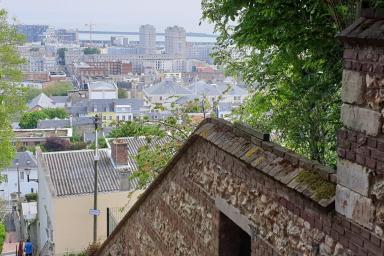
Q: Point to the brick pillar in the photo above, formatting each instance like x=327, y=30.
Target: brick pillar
x=360, y=168
x=119, y=151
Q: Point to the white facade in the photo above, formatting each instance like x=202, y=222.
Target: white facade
x=148, y=39
x=175, y=41
x=123, y=112
x=102, y=90
x=10, y=183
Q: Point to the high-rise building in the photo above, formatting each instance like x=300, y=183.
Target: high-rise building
x=32, y=32
x=175, y=41
x=148, y=39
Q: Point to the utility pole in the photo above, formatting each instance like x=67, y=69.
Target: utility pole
x=96, y=159
x=18, y=197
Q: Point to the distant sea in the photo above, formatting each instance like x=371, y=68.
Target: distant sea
x=136, y=37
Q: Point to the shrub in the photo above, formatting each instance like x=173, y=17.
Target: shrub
x=56, y=144
x=31, y=197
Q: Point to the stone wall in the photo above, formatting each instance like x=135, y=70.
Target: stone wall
x=180, y=215
x=360, y=171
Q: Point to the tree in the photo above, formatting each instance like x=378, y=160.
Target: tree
x=61, y=54
x=91, y=50
x=59, y=88
x=31, y=93
x=29, y=120
x=289, y=48
x=136, y=128
x=150, y=161
x=122, y=94
x=12, y=100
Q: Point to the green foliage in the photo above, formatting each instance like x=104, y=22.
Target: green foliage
x=122, y=94
x=2, y=235
x=31, y=93
x=31, y=197
x=29, y=120
x=197, y=106
x=59, y=88
x=91, y=50
x=12, y=100
x=61, y=54
x=102, y=143
x=289, y=48
x=150, y=161
x=133, y=128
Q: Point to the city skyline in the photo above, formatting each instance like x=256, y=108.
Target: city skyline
x=113, y=15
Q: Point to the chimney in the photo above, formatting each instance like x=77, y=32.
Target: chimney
x=360, y=147
x=119, y=152
x=125, y=184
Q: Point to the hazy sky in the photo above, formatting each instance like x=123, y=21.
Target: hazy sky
x=123, y=15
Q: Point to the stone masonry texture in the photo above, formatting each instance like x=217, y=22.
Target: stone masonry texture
x=179, y=214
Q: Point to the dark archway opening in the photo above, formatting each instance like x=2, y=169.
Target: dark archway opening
x=233, y=241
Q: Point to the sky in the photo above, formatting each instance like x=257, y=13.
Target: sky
x=117, y=15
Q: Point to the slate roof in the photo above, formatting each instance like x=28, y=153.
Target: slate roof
x=60, y=99
x=135, y=143
x=62, y=123
x=234, y=90
x=41, y=100
x=167, y=87
x=22, y=158
x=71, y=172
x=203, y=88
x=101, y=85
x=367, y=30
x=104, y=105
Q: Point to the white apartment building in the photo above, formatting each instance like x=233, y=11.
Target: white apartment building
x=26, y=163
x=175, y=41
x=148, y=39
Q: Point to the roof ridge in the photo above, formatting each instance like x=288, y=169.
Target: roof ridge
x=70, y=151
x=263, y=140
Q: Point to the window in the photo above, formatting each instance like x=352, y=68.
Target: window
x=21, y=175
x=104, y=118
x=233, y=241
x=110, y=117
x=161, y=98
x=123, y=118
x=31, y=190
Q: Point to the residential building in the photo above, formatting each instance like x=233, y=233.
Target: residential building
x=42, y=101
x=102, y=90
x=34, y=137
x=175, y=41
x=83, y=70
x=167, y=91
x=67, y=36
x=27, y=165
x=111, y=110
x=66, y=196
x=148, y=39
x=66, y=192
x=80, y=125
x=200, y=51
x=233, y=93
